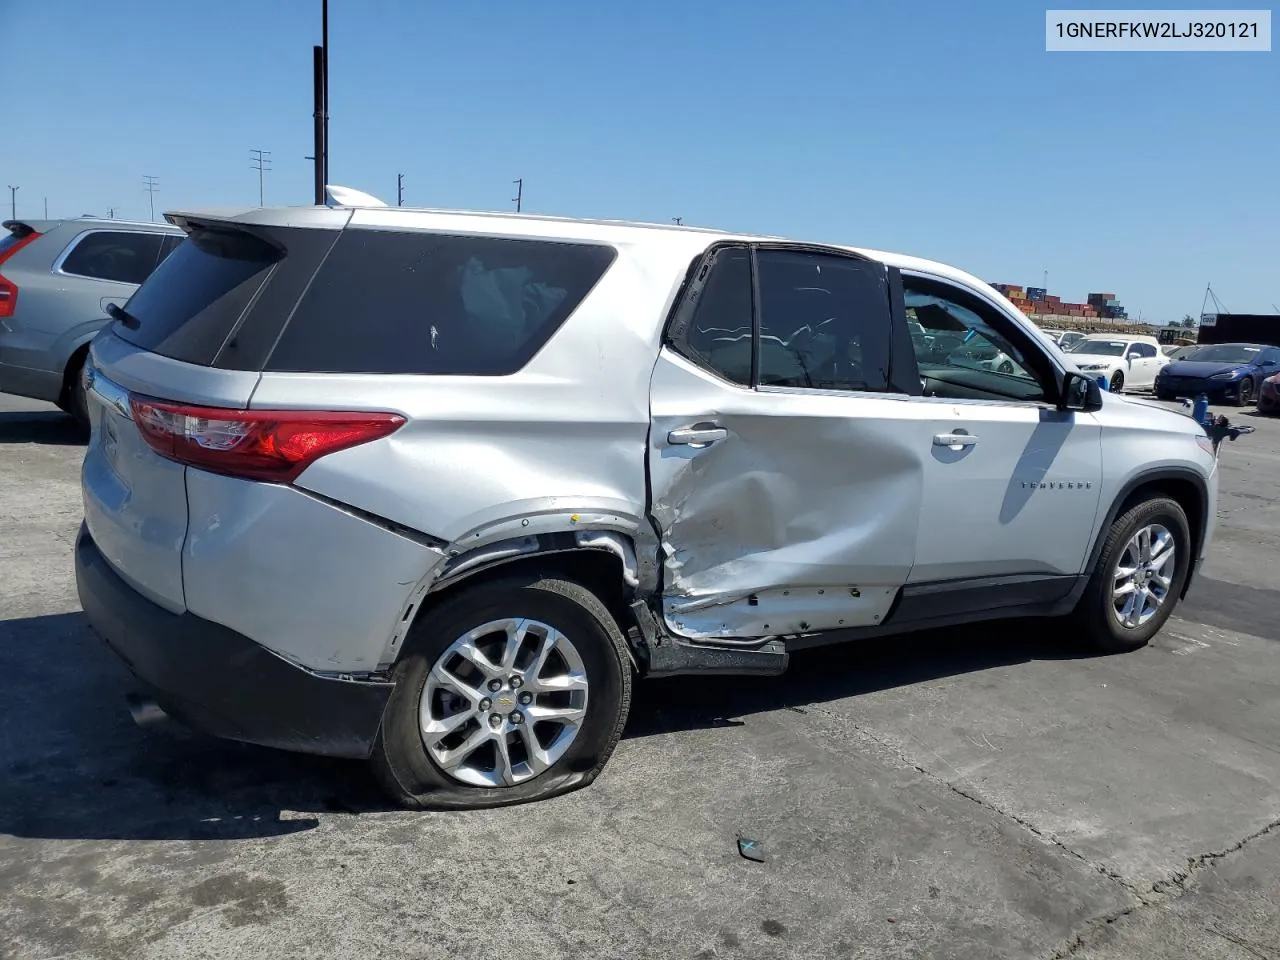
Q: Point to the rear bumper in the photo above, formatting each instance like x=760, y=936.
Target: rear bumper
x=221, y=682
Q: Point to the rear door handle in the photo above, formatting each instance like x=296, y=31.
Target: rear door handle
x=956, y=441
x=699, y=435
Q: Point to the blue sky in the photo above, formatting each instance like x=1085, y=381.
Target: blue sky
x=935, y=128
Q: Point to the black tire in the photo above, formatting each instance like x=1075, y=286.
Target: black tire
x=1116, y=383
x=1095, y=614
x=1244, y=394
x=74, y=400
x=400, y=760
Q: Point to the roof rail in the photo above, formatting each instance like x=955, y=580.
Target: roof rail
x=338, y=196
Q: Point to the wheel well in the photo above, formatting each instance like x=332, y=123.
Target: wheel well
x=1184, y=492
x=599, y=571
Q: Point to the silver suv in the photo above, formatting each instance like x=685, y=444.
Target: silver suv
x=431, y=488
x=58, y=279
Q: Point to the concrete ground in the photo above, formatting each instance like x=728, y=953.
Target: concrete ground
x=986, y=793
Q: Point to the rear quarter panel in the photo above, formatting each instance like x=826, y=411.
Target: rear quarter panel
x=560, y=444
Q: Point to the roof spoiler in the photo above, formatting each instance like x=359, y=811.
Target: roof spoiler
x=18, y=228
x=338, y=196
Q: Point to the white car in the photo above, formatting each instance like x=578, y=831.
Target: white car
x=1128, y=362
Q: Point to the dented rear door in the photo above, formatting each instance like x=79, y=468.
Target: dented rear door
x=785, y=487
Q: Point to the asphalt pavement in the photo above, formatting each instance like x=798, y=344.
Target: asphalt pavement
x=981, y=793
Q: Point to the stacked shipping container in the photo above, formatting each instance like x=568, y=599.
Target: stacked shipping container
x=1038, y=301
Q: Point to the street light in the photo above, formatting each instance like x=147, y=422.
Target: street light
x=13, y=203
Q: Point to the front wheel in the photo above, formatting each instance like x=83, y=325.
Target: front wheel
x=1116, y=384
x=1140, y=574
x=1244, y=394
x=511, y=691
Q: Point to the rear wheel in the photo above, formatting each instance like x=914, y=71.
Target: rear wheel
x=1244, y=395
x=75, y=401
x=1116, y=384
x=511, y=691
x=1140, y=574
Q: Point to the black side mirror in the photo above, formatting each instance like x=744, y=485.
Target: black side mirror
x=1080, y=392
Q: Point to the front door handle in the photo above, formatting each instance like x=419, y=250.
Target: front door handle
x=699, y=435
x=955, y=441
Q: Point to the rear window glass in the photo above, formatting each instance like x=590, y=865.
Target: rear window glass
x=190, y=305
x=427, y=303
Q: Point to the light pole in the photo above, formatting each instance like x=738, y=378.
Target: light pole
x=519, y=193
x=13, y=203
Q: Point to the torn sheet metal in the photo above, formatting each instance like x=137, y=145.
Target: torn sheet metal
x=803, y=517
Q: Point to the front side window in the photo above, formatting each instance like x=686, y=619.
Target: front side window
x=1144, y=350
x=964, y=351
x=114, y=255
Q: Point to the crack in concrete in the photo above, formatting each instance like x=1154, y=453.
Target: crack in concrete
x=1162, y=891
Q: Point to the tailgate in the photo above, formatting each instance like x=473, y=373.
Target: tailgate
x=135, y=501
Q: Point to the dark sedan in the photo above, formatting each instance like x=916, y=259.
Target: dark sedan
x=1225, y=372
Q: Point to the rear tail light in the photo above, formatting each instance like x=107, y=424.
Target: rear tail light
x=272, y=445
x=9, y=289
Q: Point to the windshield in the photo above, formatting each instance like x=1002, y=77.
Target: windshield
x=1222, y=353
x=1104, y=348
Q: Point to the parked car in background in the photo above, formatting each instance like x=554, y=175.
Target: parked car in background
x=1128, y=362
x=1054, y=335
x=458, y=478
x=57, y=279
x=1269, y=395
x=1069, y=337
x=1224, y=372
x=1173, y=350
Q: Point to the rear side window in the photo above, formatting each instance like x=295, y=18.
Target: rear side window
x=426, y=303
x=170, y=244
x=114, y=255
x=190, y=305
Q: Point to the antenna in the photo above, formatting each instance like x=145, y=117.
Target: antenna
x=151, y=185
x=260, y=161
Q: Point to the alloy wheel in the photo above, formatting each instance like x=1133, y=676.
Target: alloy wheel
x=503, y=703
x=1143, y=575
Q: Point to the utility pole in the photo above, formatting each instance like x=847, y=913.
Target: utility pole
x=151, y=185
x=260, y=161
x=677, y=220
x=519, y=193
x=399, y=189
x=13, y=203
x=111, y=213
x=324, y=43
x=46, y=208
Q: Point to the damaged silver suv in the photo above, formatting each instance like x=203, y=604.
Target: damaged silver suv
x=431, y=488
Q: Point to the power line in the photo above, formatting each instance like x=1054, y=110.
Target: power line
x=519, y=193
x=13, y=203
x=399, y=189
x=260, y=161
x=151, y=185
